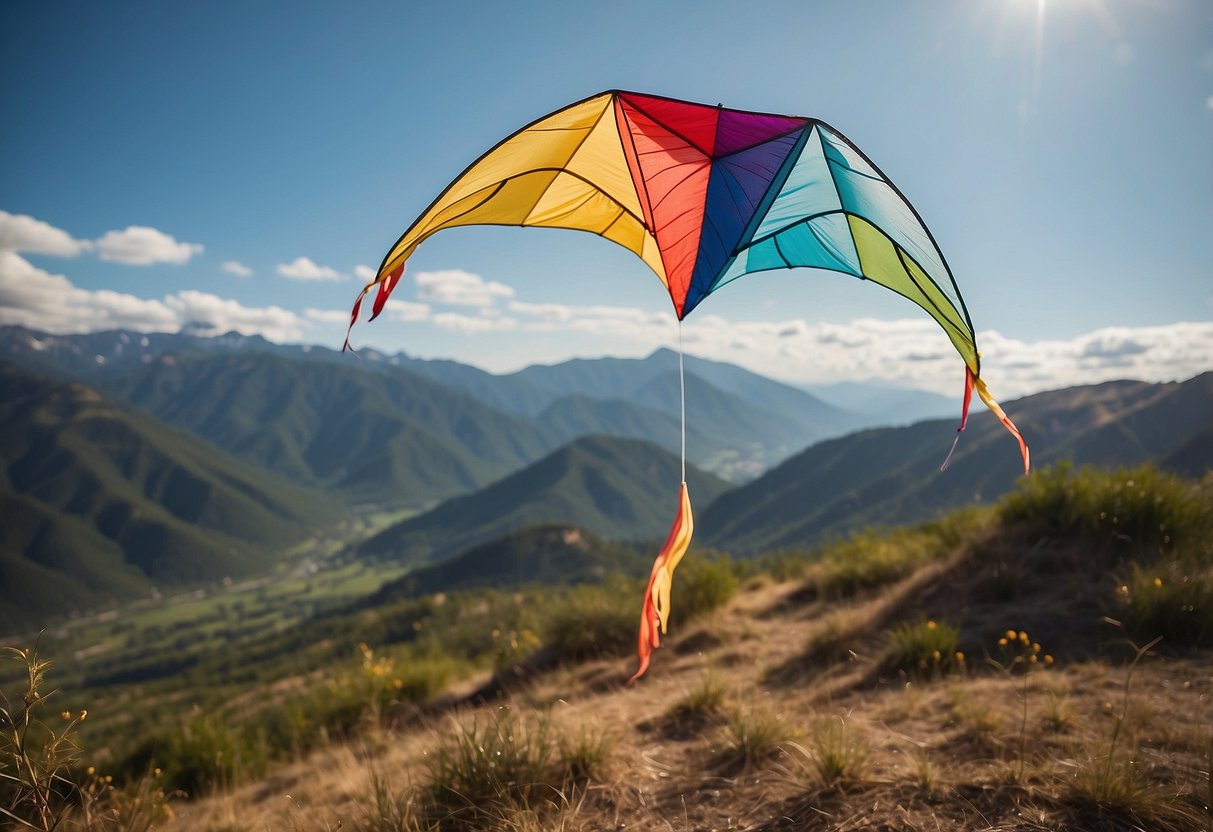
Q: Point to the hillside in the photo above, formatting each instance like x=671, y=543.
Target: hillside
x=101, y=503
x=547, y=555
x=891, y=476
x=997, y=669
x=622, y=489
x=643, y=380
x=381, y=436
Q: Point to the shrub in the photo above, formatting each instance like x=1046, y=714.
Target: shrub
x=1141, y=507
x=1173, y=600
x=702, y=585
x=926, y=648
x=593, y=621
x=874, y=559
x=500, y=761
x=204, y=752
x=35, y=758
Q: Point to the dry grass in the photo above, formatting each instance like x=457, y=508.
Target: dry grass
x=934, y=754
x=788, y=713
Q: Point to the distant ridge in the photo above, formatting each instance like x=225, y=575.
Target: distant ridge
x=890, y=476
x=621, y=489
x=384, y=437
x=101, y=502
x=554, y=554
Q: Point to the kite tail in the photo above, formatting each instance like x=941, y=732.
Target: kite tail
x=964, y=417
x=656, y=612
x=387, y=285
x=984, y=393
x=354, y=315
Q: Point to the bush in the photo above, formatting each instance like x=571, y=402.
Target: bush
x=1140, y=507
x=1173, y=600
x=594, y=621
x=205, y=753
x=927, y=648
x=502, y=761
x=35, y=757
x=702, y=585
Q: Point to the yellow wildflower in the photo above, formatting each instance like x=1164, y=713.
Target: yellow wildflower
x=1011, y=635
x=1048, y=659
x=930, y=625
x=1002, y=642
x=1158, y=582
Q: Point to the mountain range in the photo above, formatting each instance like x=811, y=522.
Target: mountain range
x=131, y=461
x=102, y=502
x=623, y=489
x=891, y=476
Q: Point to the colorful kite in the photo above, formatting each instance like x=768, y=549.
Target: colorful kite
x=704, y=195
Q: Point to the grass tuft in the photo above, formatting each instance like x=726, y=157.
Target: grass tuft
x=927, y=648
x=704, y=701
x=497, y=762
x=837, y=756
x=752, y=737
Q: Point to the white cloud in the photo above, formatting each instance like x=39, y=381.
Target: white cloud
x=916, y=352
x=544, y=311
x=1209, y=102
x=326, y=316
x=32, y=297
x=403, y=310
x=238, y=269
x=912, y=351
x=460, y=288
x=591, y=320
x=38, y=299
x=20, y=232
x=302, y=268
x=212, y=315
x=140, y=245
x=468, y=325
x=364, y=273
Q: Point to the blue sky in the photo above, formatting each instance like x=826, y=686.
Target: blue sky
x=167, y=163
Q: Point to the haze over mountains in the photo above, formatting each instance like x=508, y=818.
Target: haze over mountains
x=135, y=461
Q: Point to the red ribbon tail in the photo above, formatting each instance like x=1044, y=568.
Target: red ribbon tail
x=353, y=320
x=964, y=417
x=386, y=287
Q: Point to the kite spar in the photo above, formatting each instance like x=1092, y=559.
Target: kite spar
x=703, y=195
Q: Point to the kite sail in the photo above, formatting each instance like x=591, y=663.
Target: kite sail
x=703, y=195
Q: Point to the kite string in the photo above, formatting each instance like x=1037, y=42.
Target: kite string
x=682, y=404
